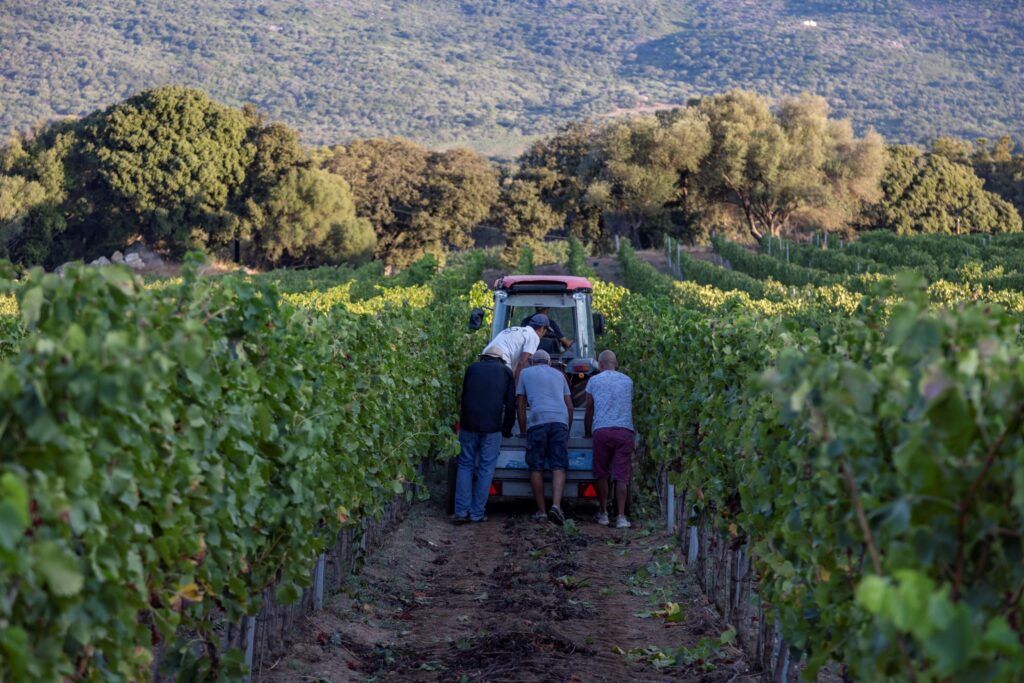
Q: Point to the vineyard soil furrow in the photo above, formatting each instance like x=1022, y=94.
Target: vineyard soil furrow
x=511, y=600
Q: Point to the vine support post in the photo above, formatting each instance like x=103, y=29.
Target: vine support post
x=318, y=582
x=670, y=509
x=250, y=646
x=787, y=252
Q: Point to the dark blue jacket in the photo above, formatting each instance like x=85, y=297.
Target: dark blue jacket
x=554, y=331
x=488, y=397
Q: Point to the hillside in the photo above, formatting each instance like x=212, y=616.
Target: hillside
x=492, y=73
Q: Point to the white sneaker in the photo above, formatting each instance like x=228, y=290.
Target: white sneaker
x=621, y=522
x=601, y=518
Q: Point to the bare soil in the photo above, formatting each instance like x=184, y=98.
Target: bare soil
x=511, y=599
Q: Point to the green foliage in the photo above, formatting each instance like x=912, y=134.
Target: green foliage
x=177, y=170
x=553, y=165
x=309, y=216
x=524, y=266
x=1001, y=169
x=633, y=170
x=929, y=193
x=761, y=267
x=891, y=65
x=992, y=260
x=576, y=263
x=418, y=201
x=495, y=73
x=772, y=165
x=165, y=163
x=523, y=217
x=31, y=216
x=171, y=451
x=866, y=454
x=729, y=158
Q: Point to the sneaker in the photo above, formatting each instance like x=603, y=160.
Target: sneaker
x=556, y=515
x=539, y=516
x=601, y=518
x=622, y=523
x=459, y=520
x=477, y=521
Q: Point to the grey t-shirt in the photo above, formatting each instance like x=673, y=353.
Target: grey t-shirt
x=613, y=400
x=545, y=389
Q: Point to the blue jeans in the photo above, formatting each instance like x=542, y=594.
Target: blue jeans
x=479, y=451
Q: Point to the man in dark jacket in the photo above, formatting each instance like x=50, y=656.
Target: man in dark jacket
x=553, y=330
x=488, y=411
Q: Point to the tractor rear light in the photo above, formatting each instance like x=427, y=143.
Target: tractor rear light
x=495, y=489
x=589, y=491
x=580, y=367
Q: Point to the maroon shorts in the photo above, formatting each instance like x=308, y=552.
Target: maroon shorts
x=613, y=453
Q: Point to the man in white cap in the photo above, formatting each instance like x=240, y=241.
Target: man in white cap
x=545, y=391
x=488, y=411
x=517, y=344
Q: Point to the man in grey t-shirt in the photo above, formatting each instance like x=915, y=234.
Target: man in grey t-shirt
x=545, y=391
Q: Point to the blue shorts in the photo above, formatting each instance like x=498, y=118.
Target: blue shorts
x=547, y=447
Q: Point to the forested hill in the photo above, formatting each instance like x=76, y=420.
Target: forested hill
x=491, y=72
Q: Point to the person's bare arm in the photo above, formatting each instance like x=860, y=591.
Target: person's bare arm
x=588, y=417
x=524, y=360
x=568, y=406
x=522, y=413
x=566, y=342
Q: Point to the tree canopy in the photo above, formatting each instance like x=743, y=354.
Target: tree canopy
x=929, y=193
x=178, y=170
x=168, y=161
x=691, y=166
x=418, y=201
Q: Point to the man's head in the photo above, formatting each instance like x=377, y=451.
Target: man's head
x=540, y=324
x=492, y=352
x=541, y=357
x=607, y=360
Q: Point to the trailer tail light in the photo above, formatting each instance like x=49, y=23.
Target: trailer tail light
x=589, y=491
x=580, y=367
x=495, y=489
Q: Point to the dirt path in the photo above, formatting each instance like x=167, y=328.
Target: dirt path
x=513, y=600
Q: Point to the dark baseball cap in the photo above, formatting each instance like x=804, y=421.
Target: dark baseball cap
x=539, y=320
